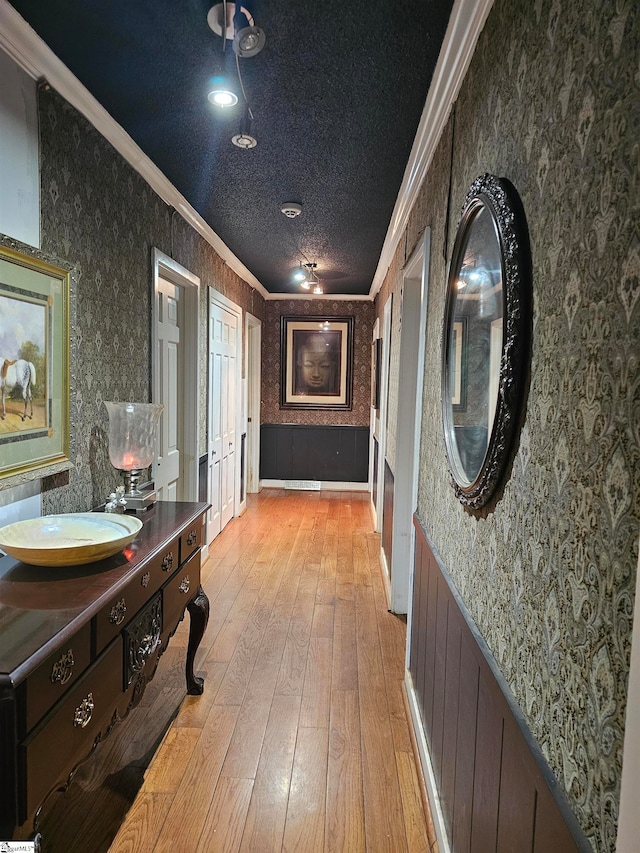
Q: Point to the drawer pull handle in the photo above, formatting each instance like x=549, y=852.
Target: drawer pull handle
x=144, y=580
x=116, y=617
x=143, y=638
x=62, y=669
x=83, y=712
x=184, y=584
x=192, y=538
x=167, y=562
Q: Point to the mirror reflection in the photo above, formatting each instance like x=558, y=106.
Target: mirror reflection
x=474, y=338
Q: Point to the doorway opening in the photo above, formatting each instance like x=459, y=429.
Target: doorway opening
x=175, y=377
x=224, y=422
x=409, y=419
x=253, y=362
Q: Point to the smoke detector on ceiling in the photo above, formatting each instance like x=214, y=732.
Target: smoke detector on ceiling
x=291, y=209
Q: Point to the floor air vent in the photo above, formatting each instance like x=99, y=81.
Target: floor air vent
x=309, y=485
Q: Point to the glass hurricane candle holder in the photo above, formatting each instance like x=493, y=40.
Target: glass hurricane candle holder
x=132, y=430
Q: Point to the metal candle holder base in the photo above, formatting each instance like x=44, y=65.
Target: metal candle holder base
x=137, y=500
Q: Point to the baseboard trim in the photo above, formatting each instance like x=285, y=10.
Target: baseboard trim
x=325, y=485
x=424, y=796
x=426, y=767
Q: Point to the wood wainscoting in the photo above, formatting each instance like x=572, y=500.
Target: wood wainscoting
x=326, y=453
x=495, y=789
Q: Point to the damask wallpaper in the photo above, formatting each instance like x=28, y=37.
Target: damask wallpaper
x=548, y=571
x=364, y=315
x=98, y=214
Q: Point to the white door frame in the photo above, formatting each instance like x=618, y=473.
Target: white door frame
x=415, y=292
x=162, y=266
x=223, y=301
x=382, y=421
x=253, y=368
x=374, y=428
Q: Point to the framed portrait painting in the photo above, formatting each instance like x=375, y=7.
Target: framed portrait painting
x=34, y=365
x=316, y=362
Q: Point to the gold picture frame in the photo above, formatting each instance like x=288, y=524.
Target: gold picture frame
x=35, y=374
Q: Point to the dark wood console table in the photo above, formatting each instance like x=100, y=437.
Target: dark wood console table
x=78, y=646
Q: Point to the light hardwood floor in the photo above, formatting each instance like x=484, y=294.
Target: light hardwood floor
x=300, y=741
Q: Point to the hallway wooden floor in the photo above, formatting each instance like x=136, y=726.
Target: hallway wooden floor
x=300, y=741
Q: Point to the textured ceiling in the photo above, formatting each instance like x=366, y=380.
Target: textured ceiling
x=336, y=94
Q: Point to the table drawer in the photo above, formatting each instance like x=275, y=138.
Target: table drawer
x=48, y=684
x=124, y=606
x=179, y=591
x=191, y=539
x=67, y=735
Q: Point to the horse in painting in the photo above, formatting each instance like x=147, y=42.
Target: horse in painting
x=17, y=372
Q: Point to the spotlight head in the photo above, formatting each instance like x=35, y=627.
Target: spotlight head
x=222, y=94
x=249, y=41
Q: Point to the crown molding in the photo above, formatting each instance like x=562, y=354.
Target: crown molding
x=30, y=52
x=465, y=25
x=324, y=297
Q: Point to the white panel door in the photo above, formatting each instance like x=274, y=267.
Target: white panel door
x=168, y=365
x=223, y=364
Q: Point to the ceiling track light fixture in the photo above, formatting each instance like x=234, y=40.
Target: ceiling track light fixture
x=233, y=22
x=222, y=94
x=310, y=280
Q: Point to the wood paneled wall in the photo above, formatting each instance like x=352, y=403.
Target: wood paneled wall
x=497, y=791
x=300, y=452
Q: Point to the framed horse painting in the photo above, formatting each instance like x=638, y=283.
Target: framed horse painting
x=34, y=364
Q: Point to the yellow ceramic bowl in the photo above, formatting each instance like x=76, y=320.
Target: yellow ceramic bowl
x=69, y=540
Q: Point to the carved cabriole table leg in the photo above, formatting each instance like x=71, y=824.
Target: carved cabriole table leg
x=199, y=614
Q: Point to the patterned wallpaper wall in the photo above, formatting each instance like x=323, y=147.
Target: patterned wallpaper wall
x=548, y=572
x=99, y=215
x=364, y=314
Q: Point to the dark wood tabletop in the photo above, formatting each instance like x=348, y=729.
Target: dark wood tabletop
x=40, y=608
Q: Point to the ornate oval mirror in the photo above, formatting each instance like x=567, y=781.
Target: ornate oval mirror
x=485, y=338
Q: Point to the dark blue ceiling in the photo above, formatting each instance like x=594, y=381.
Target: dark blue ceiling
x=336, y=94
